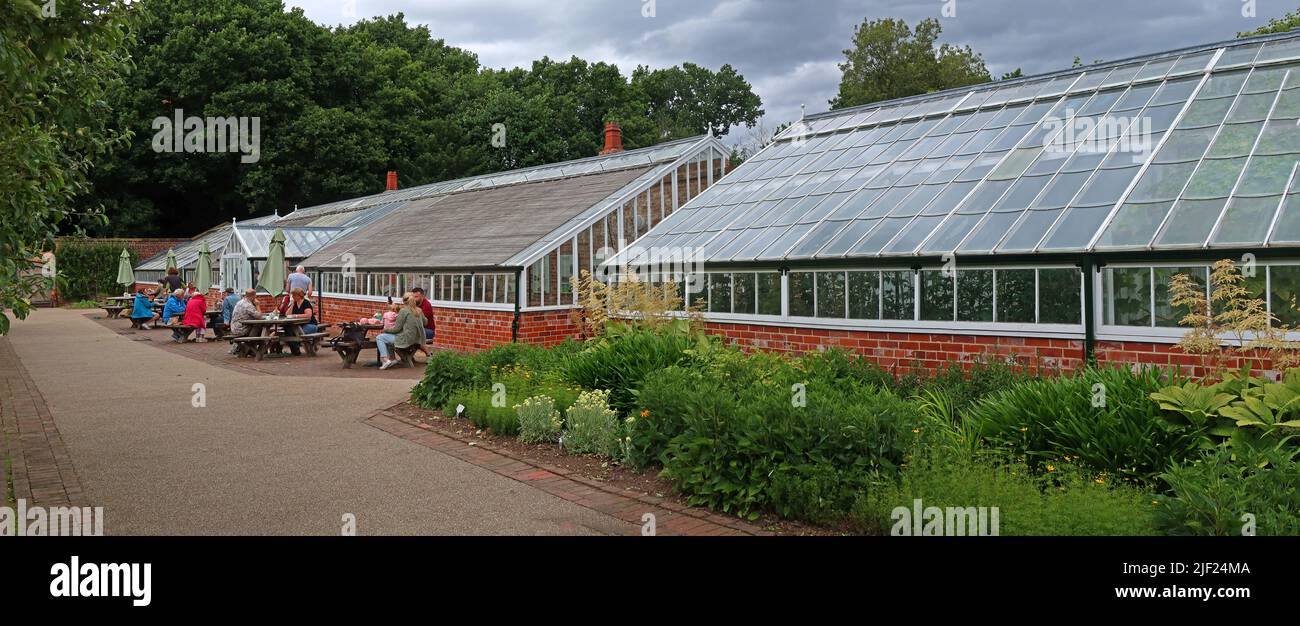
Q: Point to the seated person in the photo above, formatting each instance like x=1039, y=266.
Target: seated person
x=427, y=310
x=407, y=332
x=300, y=307
x=196, y=314
x=228, y=305
x=142, y=309
x=175, y=306
x=245, y=309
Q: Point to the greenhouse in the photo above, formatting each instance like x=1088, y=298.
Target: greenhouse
x=1045, y=214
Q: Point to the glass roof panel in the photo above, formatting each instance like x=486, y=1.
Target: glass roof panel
x=1190, y=222
x=1021, y=166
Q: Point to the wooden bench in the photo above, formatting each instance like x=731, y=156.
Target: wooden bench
x=219, y=329
x=113, y=310
x=348, y=351
x=259, y=347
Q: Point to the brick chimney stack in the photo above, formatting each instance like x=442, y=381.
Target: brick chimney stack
x=613, y=138
x=392, y=180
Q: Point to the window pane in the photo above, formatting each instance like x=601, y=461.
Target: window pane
x=1059, y=296
x=743, y=293
x=975, y=296
x=830, y=294
x=864, y=295
x=801, y=294
x=769, y=294
x=897, y=295
x=936, y=296
x=1127, y=296
x=1167, y=316
x=1016, y=296
x=1285, y=282
x=719, y=293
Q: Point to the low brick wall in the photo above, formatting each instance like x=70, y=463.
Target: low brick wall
x=473, y=330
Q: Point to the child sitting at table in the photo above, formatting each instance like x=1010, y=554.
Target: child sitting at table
x=390, y=316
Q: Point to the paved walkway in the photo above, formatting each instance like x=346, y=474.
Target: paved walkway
x=180, y=441
x=262, y=455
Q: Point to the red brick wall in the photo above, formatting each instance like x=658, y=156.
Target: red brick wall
x=547, y=328
x=902, y=351
x=905, y=350
x=471, y=330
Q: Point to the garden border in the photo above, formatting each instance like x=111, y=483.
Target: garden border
x=671, y=518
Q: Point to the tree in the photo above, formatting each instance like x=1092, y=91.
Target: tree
x=57, y=62
x=339, y=107
x=889, y=60
x=1016, y=73
x=1286, y=23
x=336, y=109
x=688, y=100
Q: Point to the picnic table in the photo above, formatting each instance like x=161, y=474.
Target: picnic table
x=217, y=323
x=116, y=304
x=265, y=333
x=348, y=346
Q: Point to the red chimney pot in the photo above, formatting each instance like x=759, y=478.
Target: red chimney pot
x=613, y=138
x=392, y=180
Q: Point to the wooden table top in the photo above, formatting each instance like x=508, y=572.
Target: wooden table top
x=283, y=320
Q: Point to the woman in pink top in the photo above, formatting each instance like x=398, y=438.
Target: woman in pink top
x=196, y=313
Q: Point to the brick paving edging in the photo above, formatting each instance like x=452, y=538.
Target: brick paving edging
x=42, y=470
x=671, y=518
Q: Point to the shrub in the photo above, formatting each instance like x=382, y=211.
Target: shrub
x=87, y=269
x=1102, y=417
x=1066, y=503
x=1211, y=495
x=539, y=422
x=84, y=304
x=664, y=401
x=820, y=493
x=592, y=427
x=446, y=373
x=619, y=361
x=480, y=410
x=1241, y=411
x=736, y=440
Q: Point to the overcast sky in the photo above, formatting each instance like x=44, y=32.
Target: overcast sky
x=789, y=49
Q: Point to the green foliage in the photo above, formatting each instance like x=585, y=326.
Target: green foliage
x=736, y=439
x=53, y=128
x=889, y=60
x=818, y=493
x=483, y=412
x=1050, y=419
x=445, y=373
x=84, y=304
x=1286, y=23
x=350, y=102
x=539, y=421
x=1242, y=411
x=1066, y=503
x=619, y=361
x=591, y=427
x=88, y=269
x=1211, y=495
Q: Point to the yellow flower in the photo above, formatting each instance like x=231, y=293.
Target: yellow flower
x=916, y=430
x=1051, y=468
x=1100, y=481
x=1024, y=429
x=645, y=413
